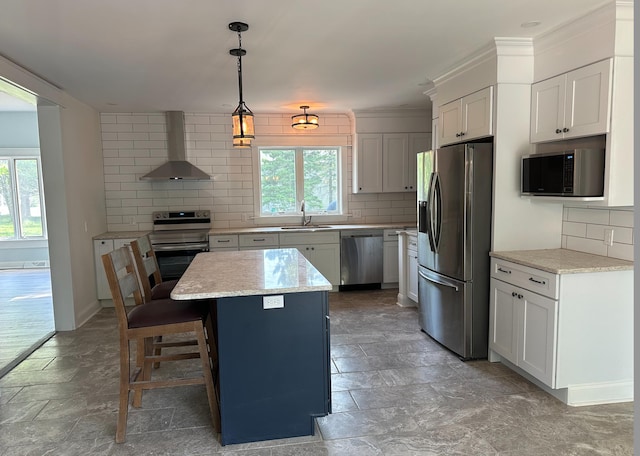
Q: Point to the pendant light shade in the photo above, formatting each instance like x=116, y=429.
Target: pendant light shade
x=304, y=121
x=242, y=117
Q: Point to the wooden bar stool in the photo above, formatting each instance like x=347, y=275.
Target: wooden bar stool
x=148, y=268
x=144, y=323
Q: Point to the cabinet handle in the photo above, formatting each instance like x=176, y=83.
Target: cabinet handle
x=462, y=133
x=406, y=188
x=540, y=282
x=259, y=240
x=223, y=240
x=504, y=270
x=458, y=135
x=565, y=129
x=313, y=248
x=519, y=296
x=514, y=294
x=359, y=188
x=558, y=131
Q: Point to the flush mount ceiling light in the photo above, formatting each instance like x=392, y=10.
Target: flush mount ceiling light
x=243, y=131
x=304, y=121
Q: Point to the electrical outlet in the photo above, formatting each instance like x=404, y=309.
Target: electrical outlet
x=357, y=213
x=608, y=236
x=273, y=302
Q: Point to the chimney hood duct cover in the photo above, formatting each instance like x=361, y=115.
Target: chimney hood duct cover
x=177, y=167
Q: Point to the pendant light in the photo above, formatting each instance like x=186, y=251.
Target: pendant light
x=304, y=121
x=243, y=131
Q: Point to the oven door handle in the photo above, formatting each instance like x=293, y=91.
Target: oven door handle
x=181, y=247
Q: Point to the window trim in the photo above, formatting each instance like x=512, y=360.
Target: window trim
x=260, y=219
x=28, y=153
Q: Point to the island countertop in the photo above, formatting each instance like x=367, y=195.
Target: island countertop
x=249, y=273
x=563, y=261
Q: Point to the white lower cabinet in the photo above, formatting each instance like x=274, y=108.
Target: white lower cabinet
x=412, y=273
x=223, y=242
x=408, y=276
x=523, y=329
x=321, y=249
x=258, y=241
x=571, y=332
x=390, y=270
x=101, y=247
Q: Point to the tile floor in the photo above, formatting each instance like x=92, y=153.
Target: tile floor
x=395, y=392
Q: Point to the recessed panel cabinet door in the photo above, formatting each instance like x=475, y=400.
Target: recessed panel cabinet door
x=587, y=100
x=395, y=162
x=537, y=351
x=547, y=109
x=477, y=120
x=368, y=166
x=503, y=323
x=450, y=116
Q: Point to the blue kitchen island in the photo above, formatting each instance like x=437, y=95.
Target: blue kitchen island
x=270, y=325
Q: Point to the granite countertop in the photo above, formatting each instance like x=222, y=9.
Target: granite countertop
x=563, y=261
x=249, y=273
x=120, y=235
x=294, y=229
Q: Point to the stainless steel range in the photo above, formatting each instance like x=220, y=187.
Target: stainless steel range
x=177, y=237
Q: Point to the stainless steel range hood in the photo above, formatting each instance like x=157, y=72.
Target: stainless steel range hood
x=177, y=167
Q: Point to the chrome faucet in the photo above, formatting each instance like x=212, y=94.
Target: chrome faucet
x=305, y=220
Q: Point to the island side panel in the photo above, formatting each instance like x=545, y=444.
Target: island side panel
x=274, y=374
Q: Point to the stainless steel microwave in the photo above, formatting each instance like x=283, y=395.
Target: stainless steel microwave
x=575, y=172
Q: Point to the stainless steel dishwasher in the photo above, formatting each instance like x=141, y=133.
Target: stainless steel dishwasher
x=360, y=259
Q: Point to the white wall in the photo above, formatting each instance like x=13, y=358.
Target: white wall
x=135, y=143
x=74, y=194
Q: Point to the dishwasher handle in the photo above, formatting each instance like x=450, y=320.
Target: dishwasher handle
x=362, y=235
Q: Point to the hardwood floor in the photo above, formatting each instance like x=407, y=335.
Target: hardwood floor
x=26, y=313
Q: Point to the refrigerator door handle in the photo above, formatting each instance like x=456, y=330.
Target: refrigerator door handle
x=437, y=194
x=446, y=283
x=429, y=207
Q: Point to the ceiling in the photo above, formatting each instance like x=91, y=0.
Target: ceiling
x=334, y=55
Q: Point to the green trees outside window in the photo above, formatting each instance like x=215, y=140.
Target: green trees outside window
x=20, y=199
x=288, y=176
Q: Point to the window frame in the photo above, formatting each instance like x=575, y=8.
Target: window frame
x=290, y=218
x=12, y=155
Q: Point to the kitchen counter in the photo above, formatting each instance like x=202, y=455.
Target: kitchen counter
x=247, y=273
x=120, y=235
x=305, y=229
x=563, y=261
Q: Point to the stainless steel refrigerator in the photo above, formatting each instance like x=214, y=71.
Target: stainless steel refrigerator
x=454, y=238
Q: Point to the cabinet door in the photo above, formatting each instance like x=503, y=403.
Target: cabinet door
x=412, y=275
x=367, y=177
x=326, y=259
x=418, y=142
x=100, y=247
x=395, y=162
x=477, y=120
x=587, y=100
x=503, y=322
x=450, y=125
x=547, y=109
x=390, y=269
x=537, y=349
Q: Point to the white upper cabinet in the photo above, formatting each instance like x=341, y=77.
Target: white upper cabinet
x=367, y=176
x=386, y=162
x=467, y=118
x=572, y=105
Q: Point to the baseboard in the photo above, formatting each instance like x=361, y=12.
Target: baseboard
x=87, y=312
x=578, y=395
x=405, y=301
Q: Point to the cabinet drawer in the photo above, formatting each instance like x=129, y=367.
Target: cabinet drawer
x=326, y=237
x=223, y=241
x=536, y=280
x=390, y=236
x=259, y=240
x=412, y=244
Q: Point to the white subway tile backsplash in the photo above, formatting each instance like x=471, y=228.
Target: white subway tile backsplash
x=583, y=229
x=622, y=218
x=597, y=216
x=135, y=143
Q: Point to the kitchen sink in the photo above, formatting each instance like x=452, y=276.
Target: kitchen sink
x=306, y=227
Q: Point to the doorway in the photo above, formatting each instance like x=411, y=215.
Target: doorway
x=26, y=305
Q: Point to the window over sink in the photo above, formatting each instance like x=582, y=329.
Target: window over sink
x=290, y=175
